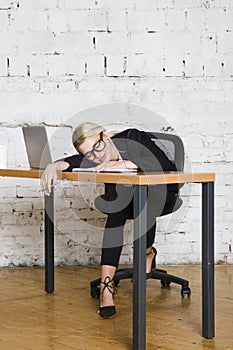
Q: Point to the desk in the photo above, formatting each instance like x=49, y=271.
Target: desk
x=140, y=183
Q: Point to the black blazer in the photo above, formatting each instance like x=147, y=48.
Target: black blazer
x=133, y=145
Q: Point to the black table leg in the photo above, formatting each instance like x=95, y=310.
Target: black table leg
x=49, y=242
x=139, y=274
x=208, y=327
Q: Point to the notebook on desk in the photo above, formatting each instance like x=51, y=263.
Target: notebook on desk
x=37, y=147
x=119, y=170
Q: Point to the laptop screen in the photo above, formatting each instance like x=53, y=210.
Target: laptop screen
x=37, y=146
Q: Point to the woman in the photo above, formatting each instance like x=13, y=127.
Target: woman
x=131, y=149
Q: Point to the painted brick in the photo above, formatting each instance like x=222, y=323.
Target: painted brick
x=38, y=66
x=3, y=66
x=209, y=44
x=30, y=218
x=57, y=21
x=189, y=43
x=18, y=65
x=22, y=206
x=179, y=4
x=75, y=65
x=193, y=65
x=115, y=5
x=115, y=65
x=74, y=4
x=5, y=207
x=27, y=20
x=219, y=20
x=72, y=224
x=174, y=66
x=4, y=21
x=97, y=20
x=38, y=204
x=28, y=192
x=36, y=42
x=195, y=20
x=24, y=85
x=146, y=43
x=109, y=43
x=146, y=65
x=175, y=23
x=117, y=20
x=136, y=21
x=135, y=65
x=8, y=192
x=155, y=20
x=77, y=20
x=225, y=43
x=94, y=65
x=39, y=4
x=57, y=65
x=9, y=219
x=150, y=4
x=74, y=43
x=6, y=4
x=9, y=44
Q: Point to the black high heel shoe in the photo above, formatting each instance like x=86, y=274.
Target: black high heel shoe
x=107, y=311
x=153, y=264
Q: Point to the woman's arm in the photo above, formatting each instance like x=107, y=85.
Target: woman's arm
x=49, y=175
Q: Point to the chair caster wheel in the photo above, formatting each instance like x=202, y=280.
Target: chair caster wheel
x=185, y=291
x=95, y=292
x=165, y=283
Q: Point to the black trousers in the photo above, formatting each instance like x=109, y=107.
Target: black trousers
x=118, y=205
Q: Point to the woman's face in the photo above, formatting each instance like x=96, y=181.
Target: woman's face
x=97, y=148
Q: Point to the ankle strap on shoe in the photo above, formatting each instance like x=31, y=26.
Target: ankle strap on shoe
x=109, y=284
x=152, y=251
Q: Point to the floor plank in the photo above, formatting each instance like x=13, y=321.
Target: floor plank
x=67, y=319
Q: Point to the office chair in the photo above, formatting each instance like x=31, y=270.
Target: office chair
x=173, y=147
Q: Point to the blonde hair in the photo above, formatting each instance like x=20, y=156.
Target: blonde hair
x=84, y=130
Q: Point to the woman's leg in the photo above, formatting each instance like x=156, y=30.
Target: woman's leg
x=111, y=251
x=113, y=239
x=150, y=252
x=160, y=202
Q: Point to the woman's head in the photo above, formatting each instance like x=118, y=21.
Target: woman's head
x=92, y=141
x=83, y=131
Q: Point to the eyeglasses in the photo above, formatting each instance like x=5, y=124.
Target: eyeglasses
x=99, y=146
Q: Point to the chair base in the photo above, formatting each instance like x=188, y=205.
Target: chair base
x=157, y=274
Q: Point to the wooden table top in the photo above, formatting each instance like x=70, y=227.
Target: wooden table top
x=133, y=178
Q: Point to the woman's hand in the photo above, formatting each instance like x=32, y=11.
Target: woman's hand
x=116, y=164
x=49, y=175
x=48, y=178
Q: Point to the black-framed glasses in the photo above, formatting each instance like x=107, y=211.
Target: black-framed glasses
x=99, y=146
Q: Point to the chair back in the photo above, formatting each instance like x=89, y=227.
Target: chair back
x=171, y=145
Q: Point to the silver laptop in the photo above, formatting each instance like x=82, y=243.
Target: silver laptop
x=37, y=146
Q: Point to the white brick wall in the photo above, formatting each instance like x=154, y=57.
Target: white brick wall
x=63, y=61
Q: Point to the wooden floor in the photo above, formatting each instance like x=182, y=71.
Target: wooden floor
x=68, y=319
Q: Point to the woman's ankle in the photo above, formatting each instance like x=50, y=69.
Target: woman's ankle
x=107, y=289
x=151, y=253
